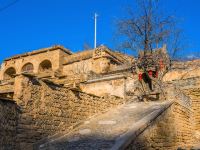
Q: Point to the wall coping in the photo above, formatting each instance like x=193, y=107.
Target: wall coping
x=101, y=79
x=123, y=141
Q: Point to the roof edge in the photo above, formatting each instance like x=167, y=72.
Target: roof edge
x=43, y=50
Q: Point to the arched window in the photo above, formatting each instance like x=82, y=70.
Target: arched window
x=27, y=68
x=45, y=66
x=9, y=73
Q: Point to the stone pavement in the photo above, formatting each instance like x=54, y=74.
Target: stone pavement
x=112, y=130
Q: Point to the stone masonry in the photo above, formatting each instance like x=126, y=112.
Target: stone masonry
x=194, y=94
x=8, y=123
x=172, y=130
x=53, y=92
x=48, y=109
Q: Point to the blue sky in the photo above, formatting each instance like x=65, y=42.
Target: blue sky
x=32, y=24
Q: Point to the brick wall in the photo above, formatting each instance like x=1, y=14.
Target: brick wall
x=48, y=109
x=8, y=123
x=172, y=130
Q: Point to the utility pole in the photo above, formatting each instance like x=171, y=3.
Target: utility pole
x=95, y=30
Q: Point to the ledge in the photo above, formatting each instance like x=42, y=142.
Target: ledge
x=105, y=79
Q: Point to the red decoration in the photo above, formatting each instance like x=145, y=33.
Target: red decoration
x=150, y=72
x=156, y=74
x=140, y=76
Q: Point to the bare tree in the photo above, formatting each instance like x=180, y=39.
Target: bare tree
x=144, y=31
x=146, y=28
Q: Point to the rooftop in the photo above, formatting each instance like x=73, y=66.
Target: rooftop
x=43, y=50
x=87, y=54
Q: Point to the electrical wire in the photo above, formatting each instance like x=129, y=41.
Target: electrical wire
x=8, y=5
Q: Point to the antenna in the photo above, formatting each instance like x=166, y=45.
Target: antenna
x=95, y=30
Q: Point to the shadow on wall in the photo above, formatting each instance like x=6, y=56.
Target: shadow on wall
x=8, y=124
x=91, y=142
x=24, y=143
x=158, y=136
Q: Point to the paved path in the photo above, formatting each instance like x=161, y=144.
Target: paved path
x=111, y=130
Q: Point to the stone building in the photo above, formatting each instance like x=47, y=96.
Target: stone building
x=59, y=59
x=55, y=99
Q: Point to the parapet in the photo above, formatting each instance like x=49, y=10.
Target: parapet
x=43, y=50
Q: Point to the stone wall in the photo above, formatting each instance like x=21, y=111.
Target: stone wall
x=194, y=94
x=6, y=87
x=48, y=109
x=98, y=66
x=183, y=70
x=182, y=74
x=191, y=88
x=172, y=130
x=100, y=60
x=108, y=85
x=76, y=68
x=8, y=124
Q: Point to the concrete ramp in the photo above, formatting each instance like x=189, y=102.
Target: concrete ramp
x=112, y=130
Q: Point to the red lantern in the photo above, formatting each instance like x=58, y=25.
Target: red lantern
x=150, y=72
x=140, y=76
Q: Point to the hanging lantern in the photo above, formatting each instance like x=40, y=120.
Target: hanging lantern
x=140, y=76
x=150, y=72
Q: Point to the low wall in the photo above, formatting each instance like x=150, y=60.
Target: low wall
x=48, y=109
x=6, y=87
x=8, y=124
x=110, y=85
x=171, y=130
